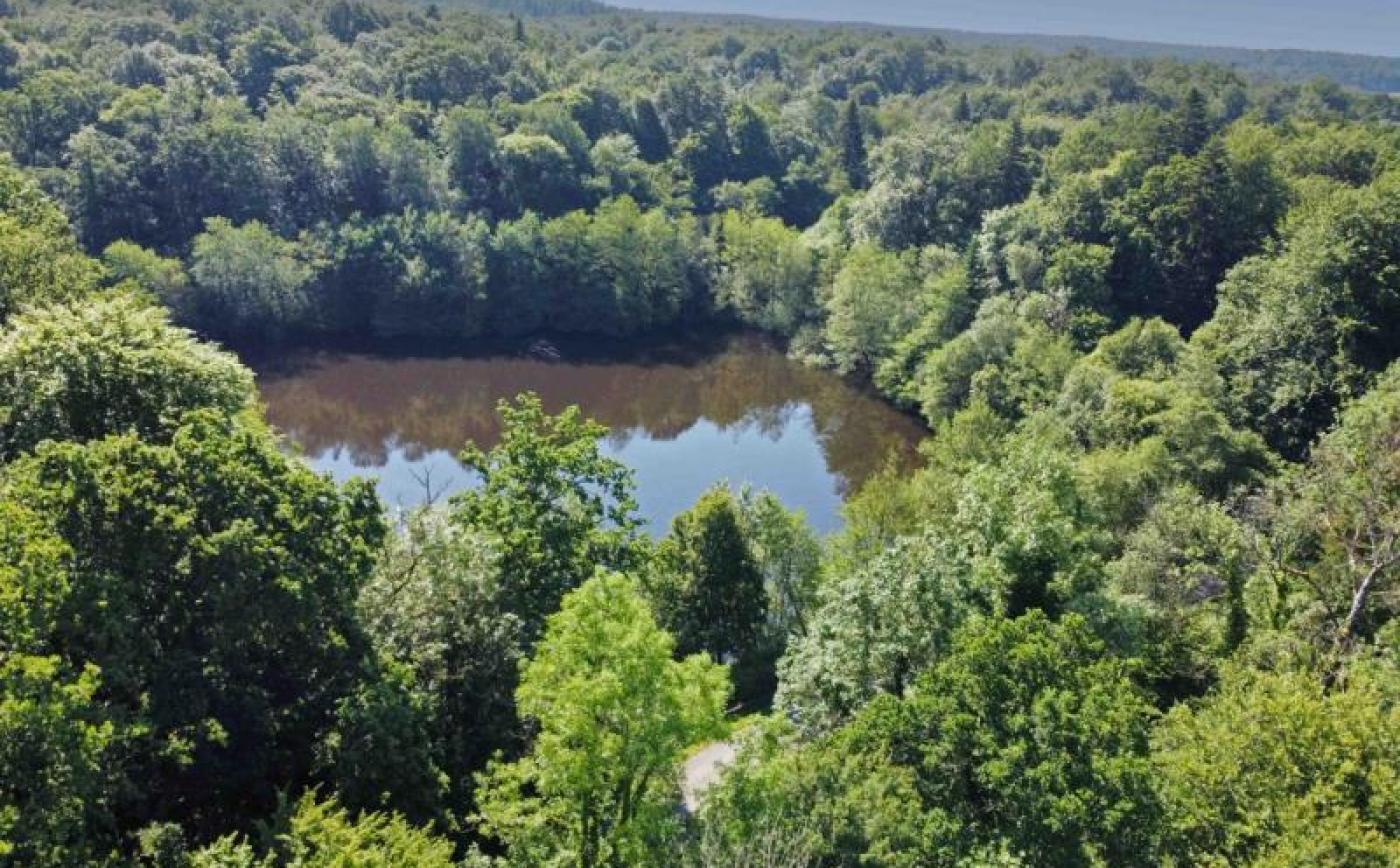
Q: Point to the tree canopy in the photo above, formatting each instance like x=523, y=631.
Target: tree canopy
x=1136, y=605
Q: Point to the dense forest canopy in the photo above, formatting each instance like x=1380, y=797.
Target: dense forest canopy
x=1138, y=606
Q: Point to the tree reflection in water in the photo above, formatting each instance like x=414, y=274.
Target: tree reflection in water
x=683, y=416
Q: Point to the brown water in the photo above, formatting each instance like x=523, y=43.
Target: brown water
x=682, y=416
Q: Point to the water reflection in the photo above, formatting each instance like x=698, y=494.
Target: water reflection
x=683, y=416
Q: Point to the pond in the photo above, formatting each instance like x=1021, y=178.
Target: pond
x=683, y=415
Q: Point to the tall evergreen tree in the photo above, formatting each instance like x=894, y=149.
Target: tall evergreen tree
x=1192, y=123
x=962, y=112
x=1016, y=171
x=853, y=154
x=754, y=155
x=649, y=133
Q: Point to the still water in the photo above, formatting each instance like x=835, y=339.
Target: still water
x=683, y=416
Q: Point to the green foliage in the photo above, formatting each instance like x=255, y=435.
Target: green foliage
x=874, y=631
x=1186, y=565
x=1009, y=357
x=381, y=752
x=162, y=277
x=539, y=173
x=615, y=714
x=1335, y=559
x=319, y=833
x=211, y=580
x=1297, y=330
x=876, y=297
x=792, y=803
x=112, y=365
x=1026, y=737
x=1183, y=228
x=1273, y=769
x=788, y=555
x=555, y=508
x=54, y=747
x=766, y=274
x=347, y=19
x=39, y=258
x=706, y=586
x=406, y=275
x=853, y=154
x=433, y=609
x=620, y=271
x=247, y=281
x=1117, y=288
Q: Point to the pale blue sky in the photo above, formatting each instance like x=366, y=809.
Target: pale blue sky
x=1357, y=26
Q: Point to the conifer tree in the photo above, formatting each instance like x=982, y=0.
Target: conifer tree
x=853, y=153
x=649, y=133
x=1192, y=123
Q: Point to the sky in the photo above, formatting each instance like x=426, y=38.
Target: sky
x=1354, y=26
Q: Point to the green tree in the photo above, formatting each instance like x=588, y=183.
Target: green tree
x=649, y=132
x=320, y=833
x=255, y=59
x=1186, y=565
x=874, y=631
x=434, y=276
x=754, y=155
x=1180, y=233
x=112, y=365
x=819, y=802
x=853, y=155
x=347, y=19
x=538, y=174
x=54, y=749
x=469, y=141
x=248, y=282
x=553, y=504
x=707, y=588
x=1334, y=573
x=358, y=166
x=789, y=555
x=962, y=111
x=1192, y=123
x=1297, y=330
x=1274, y=766
x=619, y=170
x=47, y=107
x=211, y=579
x=433, y=607
x=1027, y=737
x=765, y=272
x=161, y=276
x=875, y=299
x=39, y=257
x=381, y=753
x=1017, y=173
x=57, y=744
x=616, y=714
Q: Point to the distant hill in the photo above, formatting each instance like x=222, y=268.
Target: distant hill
x=533, y=8
x=1366, y=72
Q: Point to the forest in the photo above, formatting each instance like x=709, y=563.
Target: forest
x=1138, y=605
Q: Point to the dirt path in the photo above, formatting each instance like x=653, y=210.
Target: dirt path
x=701, y=770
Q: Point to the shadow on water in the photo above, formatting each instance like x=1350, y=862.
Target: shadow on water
x=684, y=413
